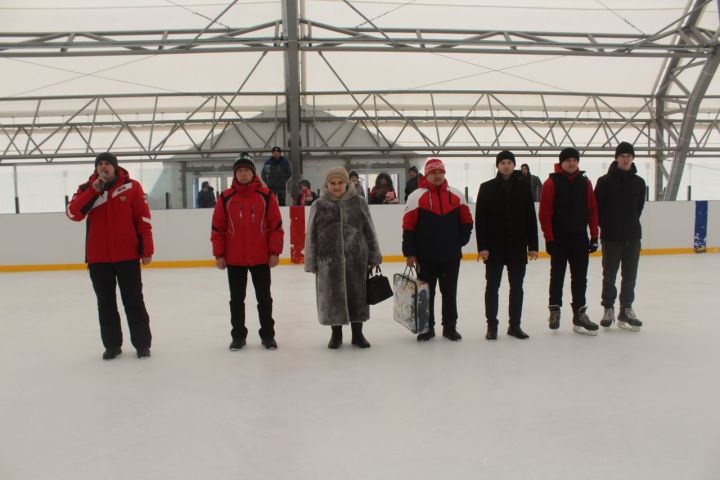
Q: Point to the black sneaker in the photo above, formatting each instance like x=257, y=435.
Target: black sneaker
x=582, y=323
x=111, y=353
x=451, y=334
x=554, y=318
x=491, y=332
x=269, y=343
x=424, y=337
x=143, y=353
x=517, y=333
x=237, y=344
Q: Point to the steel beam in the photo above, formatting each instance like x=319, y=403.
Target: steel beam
x=688, y=125
x=292, y=88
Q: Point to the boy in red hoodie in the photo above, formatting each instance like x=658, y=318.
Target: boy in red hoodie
x=567, y=209
x=119, y=236
x=247, y=235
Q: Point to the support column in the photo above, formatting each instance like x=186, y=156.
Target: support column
x=292, y=89
x=691, y=110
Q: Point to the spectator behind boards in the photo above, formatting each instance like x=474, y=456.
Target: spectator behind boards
x=305, y=195
x=275, y=173
x=206, y=196
x=412, y=184
x=383, y=192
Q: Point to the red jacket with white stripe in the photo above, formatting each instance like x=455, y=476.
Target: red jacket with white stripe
x=118, y=220
x=246, y=225
x=437, y=223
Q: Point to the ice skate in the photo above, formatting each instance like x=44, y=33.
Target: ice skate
x=554, y=319
x=582, y=323
x=608, y=318
x=628, y=320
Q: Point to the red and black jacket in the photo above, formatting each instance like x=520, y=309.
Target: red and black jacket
x=436, y=224
x=246, y=225
x=568, y=206
x=118, y=220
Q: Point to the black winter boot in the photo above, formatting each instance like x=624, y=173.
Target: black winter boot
x=424, y=337
x=491, y=332
x=111, y=353
x=336, y=337
x=357, y=336
x=516, y=331
x=451, y=333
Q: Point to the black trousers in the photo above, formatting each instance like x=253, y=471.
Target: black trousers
x=572, y=251
x=127, y=275
x=493, y=277
x=446, y=274
x=237, y=279
x=281, y=194
x=615, y=255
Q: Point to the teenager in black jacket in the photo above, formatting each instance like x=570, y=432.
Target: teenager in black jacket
x=620, y=196
x=507, y=234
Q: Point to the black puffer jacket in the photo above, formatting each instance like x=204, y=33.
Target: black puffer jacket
x=620, y=197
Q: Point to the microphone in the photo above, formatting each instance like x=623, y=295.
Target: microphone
x=103, y=180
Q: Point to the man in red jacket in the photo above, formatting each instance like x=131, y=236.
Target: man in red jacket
x=567, y=209
x=119, y=236
x=247, y=235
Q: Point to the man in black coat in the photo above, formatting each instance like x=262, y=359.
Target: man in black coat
x=620, y=196
x=532, y=180
x=507, y=234
x=206, y=196
x=412, y=184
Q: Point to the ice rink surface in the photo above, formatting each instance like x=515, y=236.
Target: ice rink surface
x=621, y=405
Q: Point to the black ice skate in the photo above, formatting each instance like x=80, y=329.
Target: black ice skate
x=554, y=319
x=608, y=318
x=582, y=323
x=628, y=320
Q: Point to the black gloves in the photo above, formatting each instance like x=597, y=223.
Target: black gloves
x=549, y=247
x=593, y=245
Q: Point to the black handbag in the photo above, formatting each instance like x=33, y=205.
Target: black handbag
x=378, y=287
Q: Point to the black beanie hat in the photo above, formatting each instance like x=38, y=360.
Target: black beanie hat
x=244, y=160
x=624, y=147
x=569, y=152
x=505, y=155
x=107, y=157
x=413, y=168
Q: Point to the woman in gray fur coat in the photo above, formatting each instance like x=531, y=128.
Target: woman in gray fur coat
x=340, y=246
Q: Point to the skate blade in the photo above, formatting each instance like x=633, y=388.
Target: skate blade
x=630, y=328
x=582, y=331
